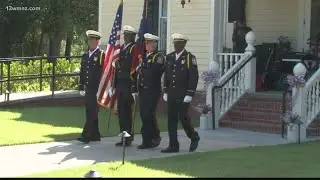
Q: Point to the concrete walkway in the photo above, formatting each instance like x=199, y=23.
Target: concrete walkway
x=28, y=159
x=28, y=96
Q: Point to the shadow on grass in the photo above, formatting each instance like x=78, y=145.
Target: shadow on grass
x=74, y=117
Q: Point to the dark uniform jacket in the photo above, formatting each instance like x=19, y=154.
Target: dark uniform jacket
x=150, y=72
x=181, y=75
x=91, y=69
x=123, y=76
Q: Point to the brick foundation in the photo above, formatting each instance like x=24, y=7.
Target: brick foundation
x=261, y=113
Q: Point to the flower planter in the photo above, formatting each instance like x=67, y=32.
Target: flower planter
x=206, y=121
x=203, y=122
x=293, y=132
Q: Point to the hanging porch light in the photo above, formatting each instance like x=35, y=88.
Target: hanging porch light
x=183, y=2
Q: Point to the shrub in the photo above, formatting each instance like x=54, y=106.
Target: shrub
x=19, y=69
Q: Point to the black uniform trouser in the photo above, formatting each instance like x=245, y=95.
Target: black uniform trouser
x=125, y=107
x=148, y=99
x=178, y=111
x=91, y=127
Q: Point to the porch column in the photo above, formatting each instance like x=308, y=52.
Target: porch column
x=217, y=27
x=298, y=106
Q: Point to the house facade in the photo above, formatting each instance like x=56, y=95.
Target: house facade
x=209, y=23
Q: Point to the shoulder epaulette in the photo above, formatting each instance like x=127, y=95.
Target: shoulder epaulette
x=188, y=59
x=154, y=57
x=101, y=53
x=132, y=48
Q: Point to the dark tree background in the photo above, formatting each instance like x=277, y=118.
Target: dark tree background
x=38, y=32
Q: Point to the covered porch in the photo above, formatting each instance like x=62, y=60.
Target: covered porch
x=293, y=20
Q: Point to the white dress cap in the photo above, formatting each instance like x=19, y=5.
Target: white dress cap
x=129, y=29
x=92, y=33
x=151, y=37
x=179, y=37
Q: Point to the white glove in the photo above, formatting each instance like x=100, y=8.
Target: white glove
x=134, y=95
x=114, y=64
x=165, y=97
x=187, y=99
x=111, y=92
x=138, y=67
x=82, y=93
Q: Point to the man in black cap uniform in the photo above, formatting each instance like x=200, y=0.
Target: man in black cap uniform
x=125, y=83
x=180, y=83
x=90, y=74
x=150, y=72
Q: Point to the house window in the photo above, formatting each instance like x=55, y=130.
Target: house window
x=152, y=17
x=236, y=10
x=163, y=9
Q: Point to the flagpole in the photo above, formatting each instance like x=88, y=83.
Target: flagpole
x=144, y=15
x=111, y=102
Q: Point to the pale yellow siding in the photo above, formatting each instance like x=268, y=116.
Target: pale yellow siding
x=270, y=19
x=194, y=21
x=132, y=13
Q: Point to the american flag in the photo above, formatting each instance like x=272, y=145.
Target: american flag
x=112, y=55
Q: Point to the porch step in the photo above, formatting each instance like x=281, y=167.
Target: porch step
x=261, y=112
x=254, y=116
x=253, y=126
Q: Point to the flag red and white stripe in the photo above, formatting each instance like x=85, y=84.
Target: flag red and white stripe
x=112, y=55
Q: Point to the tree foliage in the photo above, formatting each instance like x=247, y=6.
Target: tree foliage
x=30, y=33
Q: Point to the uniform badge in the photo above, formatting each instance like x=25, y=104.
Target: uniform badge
x=95, y=58
x=194, y=61
x=160, y=60
x=182, y=62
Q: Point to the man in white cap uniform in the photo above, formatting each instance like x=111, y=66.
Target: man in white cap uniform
x=150, y=72
x=180, y=83
x=90, y=73
x=125, y=83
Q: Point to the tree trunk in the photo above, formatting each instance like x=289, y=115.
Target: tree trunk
x=40, y=44
x=69, y=43
x=5, y=44
x=55, y=43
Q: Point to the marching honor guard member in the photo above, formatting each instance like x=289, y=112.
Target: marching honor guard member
x=125, y=84
x=180, y=83
x=90, y=73
x=150, y=72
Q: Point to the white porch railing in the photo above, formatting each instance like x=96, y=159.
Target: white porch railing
x=227, y=61
x=306, y=102
x=241, y=82
x=312, y=91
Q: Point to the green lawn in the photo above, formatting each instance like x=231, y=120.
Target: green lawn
x=45, y=124
x=291, y=160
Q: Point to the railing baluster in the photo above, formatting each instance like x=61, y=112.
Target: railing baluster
x=1, y=78
x=8, y=81
x=53, y=76
x=41, y=72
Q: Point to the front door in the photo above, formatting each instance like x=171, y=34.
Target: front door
x=309, y=22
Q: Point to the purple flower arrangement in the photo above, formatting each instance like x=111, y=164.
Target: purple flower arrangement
x=297, y=81
x=210, y=77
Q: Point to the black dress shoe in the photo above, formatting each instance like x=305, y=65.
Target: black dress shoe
x=170, y=149
x=145, y=146
x=156, y=142
x=95, y=139
x=194, y=144
x=84, y=140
